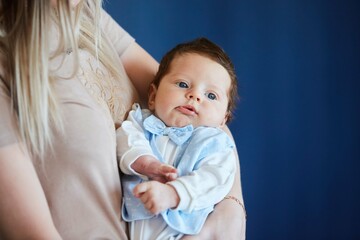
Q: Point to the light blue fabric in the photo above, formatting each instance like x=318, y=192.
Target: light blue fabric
x=177, y=135
x=196, y=146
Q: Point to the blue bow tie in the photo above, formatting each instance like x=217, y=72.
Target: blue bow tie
x=177, y=135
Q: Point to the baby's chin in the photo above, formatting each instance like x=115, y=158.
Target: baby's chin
x=180, y=123
x=185, y=121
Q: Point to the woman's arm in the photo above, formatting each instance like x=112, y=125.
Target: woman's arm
x=228, y=220
x=141, y=69
x=24, y=211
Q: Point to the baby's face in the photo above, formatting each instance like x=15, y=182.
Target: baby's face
x=194, y=91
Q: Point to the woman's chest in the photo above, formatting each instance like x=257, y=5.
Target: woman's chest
x=98, y=88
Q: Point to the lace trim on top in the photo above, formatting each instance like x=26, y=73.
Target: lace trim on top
x=114, y=96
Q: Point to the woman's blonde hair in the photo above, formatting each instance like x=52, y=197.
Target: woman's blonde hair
x=25, y=56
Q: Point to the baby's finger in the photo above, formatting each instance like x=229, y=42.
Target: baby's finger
x=140, y=189
x=171, y=176
x=167, y=169
x=148, y=205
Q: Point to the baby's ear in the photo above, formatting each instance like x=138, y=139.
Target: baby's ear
x=152, y=95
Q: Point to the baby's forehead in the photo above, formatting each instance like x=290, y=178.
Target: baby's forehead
x=185, y=60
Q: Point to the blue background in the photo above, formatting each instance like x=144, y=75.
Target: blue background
x=297, y=124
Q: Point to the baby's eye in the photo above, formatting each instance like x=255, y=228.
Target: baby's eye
x=182, y=84
x=211, y=96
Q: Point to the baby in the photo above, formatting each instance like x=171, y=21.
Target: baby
x=177, y=160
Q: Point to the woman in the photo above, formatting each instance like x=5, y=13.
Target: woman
x=68, y=75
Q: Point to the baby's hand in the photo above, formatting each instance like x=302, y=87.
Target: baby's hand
x=156, y=196
x=161, y=172
x=154, y=169
x=166, y=171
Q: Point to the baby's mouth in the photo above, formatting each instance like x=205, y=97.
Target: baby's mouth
x=187, y=109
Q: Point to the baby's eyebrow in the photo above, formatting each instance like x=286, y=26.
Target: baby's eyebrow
x=217, y=89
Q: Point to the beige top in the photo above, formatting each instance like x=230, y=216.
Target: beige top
x=80, y=178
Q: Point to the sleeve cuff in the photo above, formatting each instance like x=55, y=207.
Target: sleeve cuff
x=129, y=157
x=184, y=196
